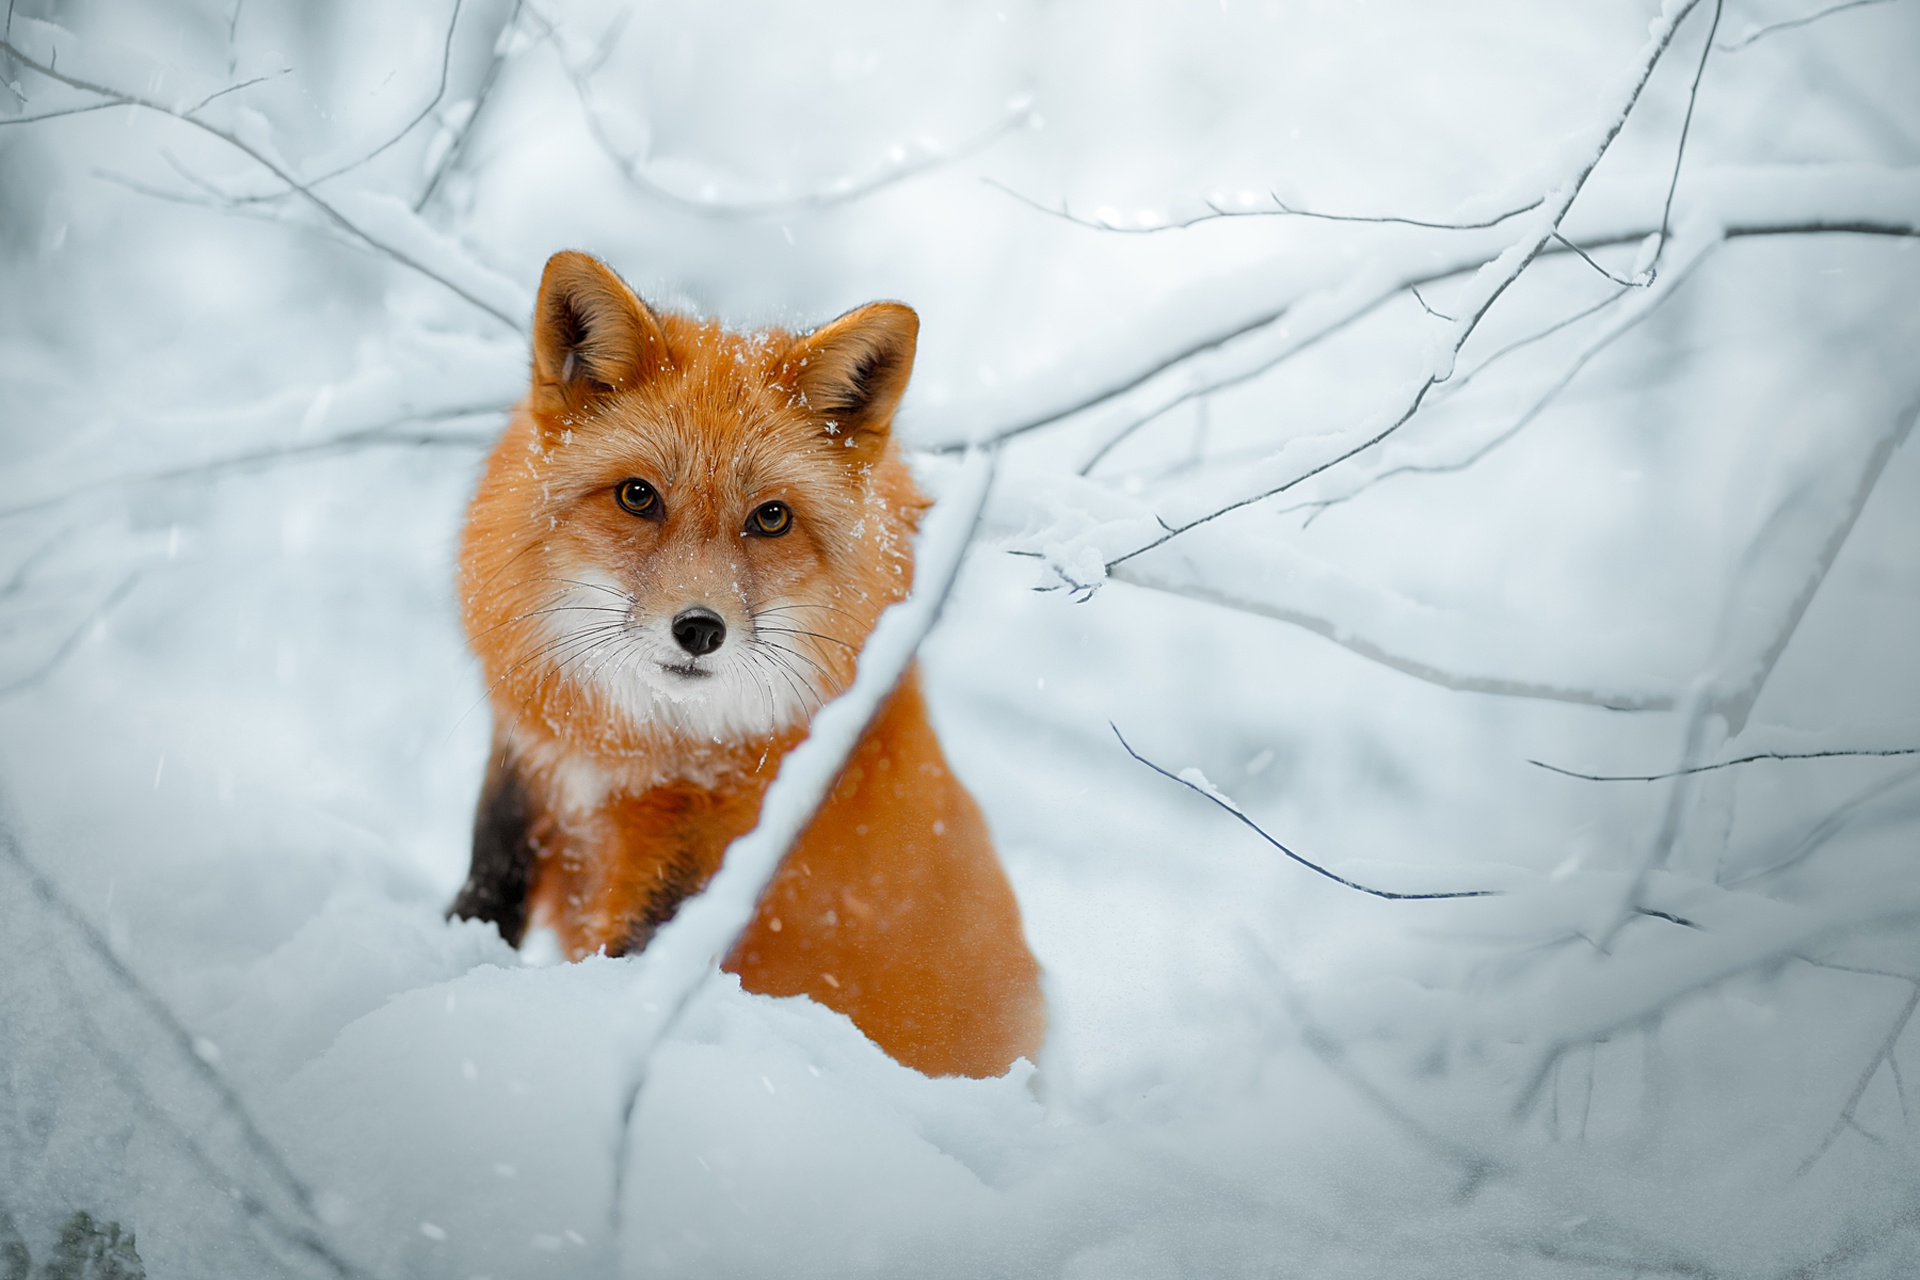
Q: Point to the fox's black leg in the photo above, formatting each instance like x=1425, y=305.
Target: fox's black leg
x=503, y=853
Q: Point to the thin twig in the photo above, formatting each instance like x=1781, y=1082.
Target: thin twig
x=1829, y=826
x=1206, y=346
x=1522, y=254
x=1347, y=638
x=185, y=1045
x=503, y=50
x=1883, y=1055
x=1645, y=279
x=235, y=88
x=1257, y=829
x=1414, y=289
x=1476, y=1166
x=55, y=115
x=108, y=1050
x=840, y=191
x=72, y=642
x=440, y=92
x=382, y=436
x=1539, y=335
x=1280, y=209
x=1648, y=304
x=1686, y=127
x=1724, y=764
x=1760, y=33
x=319, y=203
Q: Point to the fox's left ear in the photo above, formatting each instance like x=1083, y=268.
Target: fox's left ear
x=853, y=371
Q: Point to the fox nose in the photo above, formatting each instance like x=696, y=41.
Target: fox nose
x=699, y=630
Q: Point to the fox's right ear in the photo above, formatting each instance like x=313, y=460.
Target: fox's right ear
x=591, y=336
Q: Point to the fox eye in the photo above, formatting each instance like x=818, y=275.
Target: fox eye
x=770, y=520
x=638, y=497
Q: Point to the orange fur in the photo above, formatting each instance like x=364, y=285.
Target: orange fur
x=626, y=761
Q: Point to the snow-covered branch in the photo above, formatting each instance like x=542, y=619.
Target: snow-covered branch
x=382, y=224
x=684, y=953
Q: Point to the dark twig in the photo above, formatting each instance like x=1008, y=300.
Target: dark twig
x=1540, y=405
x=233, y=36
x=1686, y=127
x=1523, y=254
x=1642, y=282
x=440, y=92
x=464, y=135
x=1909, y=228
x=305, y=191
x=1453, y=388
x=1760, y=33
x=1414, y=289
x=55, y=115
x=234, y=88
x=1724, y=764
x=1258, y=830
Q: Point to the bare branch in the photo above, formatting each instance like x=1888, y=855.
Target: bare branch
x=1686, y=127
x=1280, y=209
x=463, y=136
x=217, y=94
x=843, y=190
x=74, y=637
x=440, y=92
x=386, y=435
x=1724, y=957
x=680, y=957
x=1755, y=34
x=326, y=209
x=1736, y=702
x=55, y=115
x=1641, y=282
x=1414, y=289
x=1641, y=308
x=1453, y=388
x=1739, y=227
x=233, y=36
x=1829, y=826
x=1517, y=258
x=1476, y=1165
x=1883, y=1055
x=186, y=1050
x=250, y=1203
x=1374, y=652
x=1220, y=800
x=1724, y=764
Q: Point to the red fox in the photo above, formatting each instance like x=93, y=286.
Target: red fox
x=676, y=551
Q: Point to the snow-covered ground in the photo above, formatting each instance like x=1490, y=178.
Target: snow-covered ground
x=240, y=736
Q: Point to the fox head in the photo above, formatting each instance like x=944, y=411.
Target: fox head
x=687, y=533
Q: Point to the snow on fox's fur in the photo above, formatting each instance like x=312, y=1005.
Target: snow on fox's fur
x=677, y=549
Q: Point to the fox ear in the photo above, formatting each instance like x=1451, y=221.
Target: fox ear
x=853, y=371
x=591, y=335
